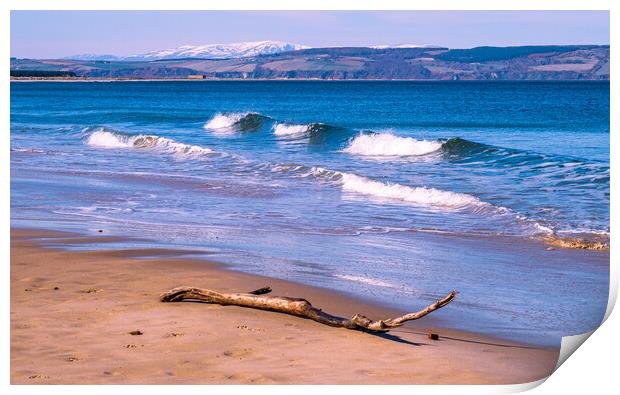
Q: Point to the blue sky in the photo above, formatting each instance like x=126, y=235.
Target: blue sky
x=49, y=34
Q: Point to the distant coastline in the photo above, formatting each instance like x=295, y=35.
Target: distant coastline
x=541, y=63
x=85, y=79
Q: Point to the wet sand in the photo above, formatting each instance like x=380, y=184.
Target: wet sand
x=72, y=314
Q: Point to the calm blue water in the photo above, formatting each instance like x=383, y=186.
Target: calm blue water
x=394, y=191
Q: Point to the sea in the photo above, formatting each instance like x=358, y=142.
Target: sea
x=396, y=192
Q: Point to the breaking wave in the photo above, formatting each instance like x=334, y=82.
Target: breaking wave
x=239, y=121
x=220, y=121
x=388, y=144
x=361, y=187
x=422, y=196
x=283, y=129
x=295, y=130
x=107, y=138
x=415, y=195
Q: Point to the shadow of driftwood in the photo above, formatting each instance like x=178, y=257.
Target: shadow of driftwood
x=383, y=335
x=389, y=336
x=470, y=340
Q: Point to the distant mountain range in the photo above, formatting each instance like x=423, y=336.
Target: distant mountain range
x=405, y=46
x=210, y=51
x=275, y=60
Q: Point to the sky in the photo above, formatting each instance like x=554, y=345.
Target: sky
x=54, y=34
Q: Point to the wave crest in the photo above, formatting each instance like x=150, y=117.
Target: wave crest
x=106, y=138
x=222, y=121
x=284, y=129
x=388, y=144
x=242, y=121
x=312, y=130
x=422, y=196
x=416, y=195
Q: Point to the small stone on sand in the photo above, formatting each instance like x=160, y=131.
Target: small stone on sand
x=433, y=336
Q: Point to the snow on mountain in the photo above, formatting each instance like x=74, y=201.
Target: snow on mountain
x=211, y=51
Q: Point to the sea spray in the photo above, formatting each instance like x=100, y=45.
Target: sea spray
x=283, y=129
x=388, y=144
x=239, y=121
x=103, y=138
x=222, y=121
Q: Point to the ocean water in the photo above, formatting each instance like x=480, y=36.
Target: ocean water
x=397, y=192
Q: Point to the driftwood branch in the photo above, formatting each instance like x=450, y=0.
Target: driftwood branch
x=297, y=307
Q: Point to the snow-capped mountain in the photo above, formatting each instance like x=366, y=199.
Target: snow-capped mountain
x=211, y=51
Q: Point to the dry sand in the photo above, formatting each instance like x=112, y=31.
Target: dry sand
x=72, y=314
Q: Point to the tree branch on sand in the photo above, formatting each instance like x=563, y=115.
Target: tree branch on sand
x=298, y=307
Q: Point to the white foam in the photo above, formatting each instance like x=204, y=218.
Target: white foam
x=543, y=229
x=181, y=149
x=29, y=150
x=415, y=195
x=224, y=121
x=349, y=182
x=365, y=280
x=324, y=174
x=283, y=129
x=106, y=139
x=388, y=144
x=287, y=168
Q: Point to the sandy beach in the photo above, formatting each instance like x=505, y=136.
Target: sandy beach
x=72, y=314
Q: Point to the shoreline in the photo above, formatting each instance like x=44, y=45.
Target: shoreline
x=79, y=332
x=88, y=79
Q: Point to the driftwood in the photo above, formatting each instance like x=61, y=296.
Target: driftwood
x=297, y=307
